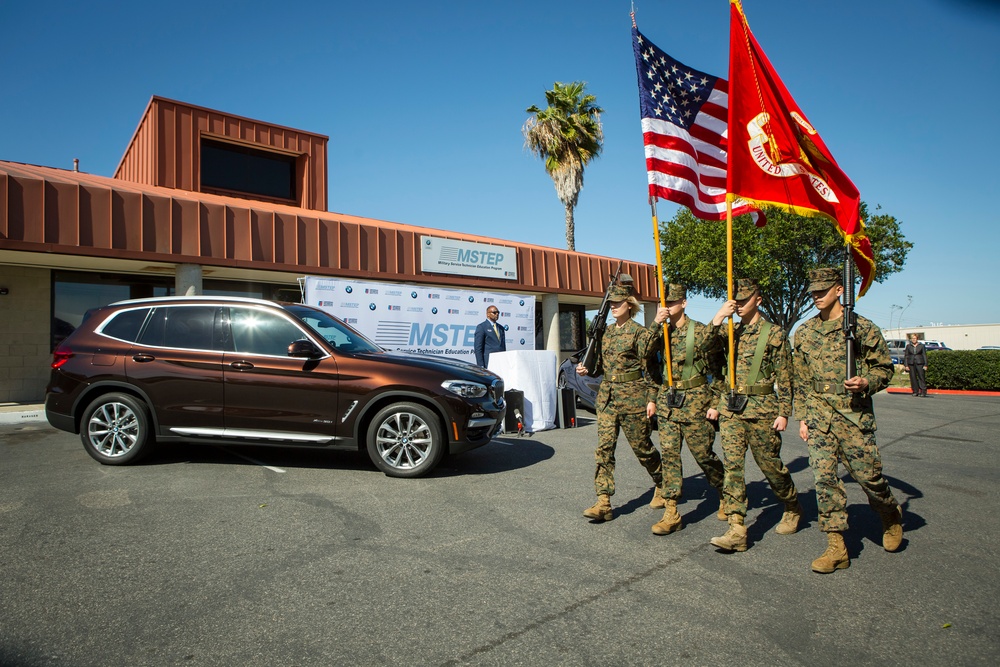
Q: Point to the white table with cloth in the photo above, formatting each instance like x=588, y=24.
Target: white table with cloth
x=533, y=372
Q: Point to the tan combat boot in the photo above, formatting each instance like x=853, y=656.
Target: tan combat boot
x=671, y=520
x=835, y=557
x=601, y=511
x=721, y=514
x=658, y=500
x=790, y=519
x=735, y=538
x=892, y=529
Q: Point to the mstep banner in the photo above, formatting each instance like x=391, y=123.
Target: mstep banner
x=421, y=319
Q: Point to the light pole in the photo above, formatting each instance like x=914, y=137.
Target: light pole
x=909, y=300
x=892, y=309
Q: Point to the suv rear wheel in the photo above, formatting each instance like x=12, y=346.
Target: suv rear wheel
x=405, y=440
x=115, y=429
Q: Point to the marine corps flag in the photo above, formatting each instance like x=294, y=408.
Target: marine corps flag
x=776, y=157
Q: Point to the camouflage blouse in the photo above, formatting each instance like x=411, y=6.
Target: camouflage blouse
x=820, y=361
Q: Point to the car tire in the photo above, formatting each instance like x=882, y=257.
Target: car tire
x=405, y=440
x=116, y=429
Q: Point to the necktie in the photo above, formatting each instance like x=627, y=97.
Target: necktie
x=495, y=331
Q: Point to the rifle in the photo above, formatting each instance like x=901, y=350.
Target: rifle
x=850, y=319
x=596, y=329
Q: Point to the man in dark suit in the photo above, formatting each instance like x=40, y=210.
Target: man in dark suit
x=915, y=360
x=490, y=337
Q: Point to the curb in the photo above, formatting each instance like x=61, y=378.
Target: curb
x=944, y=392
x=21, y=414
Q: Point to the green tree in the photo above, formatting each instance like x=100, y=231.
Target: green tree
x=567, y=135
x=779, y=255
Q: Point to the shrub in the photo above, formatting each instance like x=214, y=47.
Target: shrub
x=964, y=369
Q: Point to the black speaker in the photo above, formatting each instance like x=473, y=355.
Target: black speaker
x=566, y=408
x=515, y=411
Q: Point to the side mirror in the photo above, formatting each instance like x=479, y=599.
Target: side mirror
x=304, y=349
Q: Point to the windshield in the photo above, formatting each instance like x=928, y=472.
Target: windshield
x=342, y=337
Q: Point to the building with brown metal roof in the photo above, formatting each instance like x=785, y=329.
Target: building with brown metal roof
x=205, y=201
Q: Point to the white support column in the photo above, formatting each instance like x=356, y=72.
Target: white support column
x=550, y=322
x=187, y=280
x=649, y=312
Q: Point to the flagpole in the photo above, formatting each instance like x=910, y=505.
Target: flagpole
x=663, y=301
x=729, y=285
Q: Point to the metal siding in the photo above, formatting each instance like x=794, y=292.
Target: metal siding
x=67, y=212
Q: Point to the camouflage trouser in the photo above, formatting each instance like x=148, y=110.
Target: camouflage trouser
x=637, y=430
x=765, y=444
x=699, y=437
x=858, y=451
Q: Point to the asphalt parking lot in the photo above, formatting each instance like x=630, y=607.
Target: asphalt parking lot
x=209, y=556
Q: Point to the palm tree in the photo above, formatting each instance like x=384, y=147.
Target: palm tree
x=567, y=135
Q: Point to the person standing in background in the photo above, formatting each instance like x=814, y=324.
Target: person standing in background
x=915, y=360
x=490, y=337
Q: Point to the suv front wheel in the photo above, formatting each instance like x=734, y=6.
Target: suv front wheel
x=405, y=440
x=115, y=429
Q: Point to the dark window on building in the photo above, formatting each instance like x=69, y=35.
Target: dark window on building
x=252, y=171
x=572, y=330
x=126, y=324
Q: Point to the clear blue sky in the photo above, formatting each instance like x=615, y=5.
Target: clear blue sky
x=424, y=102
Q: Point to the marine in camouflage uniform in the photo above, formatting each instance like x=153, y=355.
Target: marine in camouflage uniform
x=622, y=398
x=687, y=423
x=838, y=418
x=757, y=427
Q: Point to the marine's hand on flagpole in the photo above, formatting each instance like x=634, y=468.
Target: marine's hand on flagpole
x=727, y=310
x=662, y=313
x=857, y=384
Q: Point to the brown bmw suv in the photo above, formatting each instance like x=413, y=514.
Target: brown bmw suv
x=232, y=370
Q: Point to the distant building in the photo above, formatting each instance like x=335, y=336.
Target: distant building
x=955, y=336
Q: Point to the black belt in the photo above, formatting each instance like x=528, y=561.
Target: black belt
x=623, y=377
x=821, y=387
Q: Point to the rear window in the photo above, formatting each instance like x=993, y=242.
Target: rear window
x=126, y=324
x=185, y=327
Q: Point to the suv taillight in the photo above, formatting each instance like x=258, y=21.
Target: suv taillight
x=60, y=356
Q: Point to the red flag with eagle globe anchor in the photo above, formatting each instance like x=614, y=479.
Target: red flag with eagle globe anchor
x=776, y=157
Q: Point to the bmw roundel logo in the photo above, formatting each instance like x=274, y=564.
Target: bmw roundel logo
x=427, y=242
x=413, y=295
x=348, y=289
x=472, y=299
x=371, y=306
x=434, y=310
x=521, y=302
x=522, y=341
x=506, y=327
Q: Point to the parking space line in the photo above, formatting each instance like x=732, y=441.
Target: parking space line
x=254, y=461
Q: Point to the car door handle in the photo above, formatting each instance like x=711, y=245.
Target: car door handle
x=143, y=358
x=241, y=365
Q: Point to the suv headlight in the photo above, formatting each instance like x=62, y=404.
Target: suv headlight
x=465, y=389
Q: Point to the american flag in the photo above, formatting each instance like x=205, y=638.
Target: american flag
x=684, y=129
